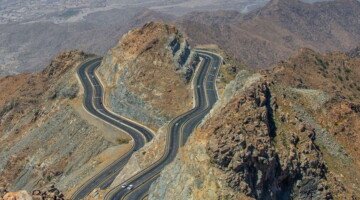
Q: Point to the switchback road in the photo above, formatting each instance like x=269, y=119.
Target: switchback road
x=180, y=128
x=93, y=103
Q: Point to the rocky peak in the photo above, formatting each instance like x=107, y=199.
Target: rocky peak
x=60, y=63
x=151, y=61
x=142, y=39
x=158, y=39
x=147, y=15
x=243, y=144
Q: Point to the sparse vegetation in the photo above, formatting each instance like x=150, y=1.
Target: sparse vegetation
x=324, y=65
x=122, y=140
x=340, y=78
x=347, y=70
x=69, y=92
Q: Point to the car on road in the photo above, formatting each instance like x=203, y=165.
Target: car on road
x=130, y=187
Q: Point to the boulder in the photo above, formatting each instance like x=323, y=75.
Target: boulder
x=19, y=195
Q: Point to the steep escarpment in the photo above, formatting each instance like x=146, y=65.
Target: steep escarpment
x=247, y=152
x=147, y=74
x=321, y=92
x=286, y=133
x=46, y=137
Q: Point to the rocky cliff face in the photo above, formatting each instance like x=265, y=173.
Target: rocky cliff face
x=146, y=75
x=45, y=134
x=247, y=153
x=280, y=134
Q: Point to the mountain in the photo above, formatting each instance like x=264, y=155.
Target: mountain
x=93, y=26
x=147, y=77
x=284, y=133
x=48, y=140
x=273, y=33
x=46, y=133
x=147, y=74
x=288, y=131
x=259, y=38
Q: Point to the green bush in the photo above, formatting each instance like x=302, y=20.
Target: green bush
x=340, y=78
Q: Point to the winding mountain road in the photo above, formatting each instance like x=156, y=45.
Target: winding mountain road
x=93, y=103
x=179, y=129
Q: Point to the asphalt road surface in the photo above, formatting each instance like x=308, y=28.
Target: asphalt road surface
x=180, y=128
x=93, y=103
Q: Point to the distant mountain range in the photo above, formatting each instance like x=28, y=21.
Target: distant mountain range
x=259, y=38
x=276, y=31
x=29, y=46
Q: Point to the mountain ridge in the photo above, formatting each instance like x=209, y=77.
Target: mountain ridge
x=276, y=134
x=268, y=35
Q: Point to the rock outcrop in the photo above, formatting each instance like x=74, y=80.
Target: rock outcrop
x=242, y=144
x=147, y=74
x=50, y=192
x=20, y=195
x=286, y=133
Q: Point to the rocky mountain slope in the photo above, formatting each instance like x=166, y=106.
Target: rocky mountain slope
x=147, y=74
x=146, y=77
x=46, y=137
x=272, y=33
x=46, y=133
x=286, y=133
